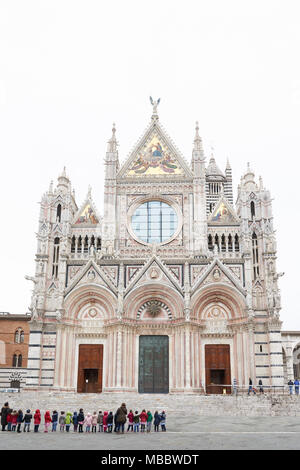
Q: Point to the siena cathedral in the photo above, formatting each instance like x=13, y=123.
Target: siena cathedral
x=172, y=289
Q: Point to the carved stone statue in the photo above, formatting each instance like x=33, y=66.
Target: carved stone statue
x=154, y=104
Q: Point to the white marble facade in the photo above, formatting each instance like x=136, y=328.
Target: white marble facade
x=172, y=256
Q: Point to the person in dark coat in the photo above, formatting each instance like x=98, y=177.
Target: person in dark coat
x=20, y=420
x=5, y=410
x=291, y=385
x=110, y=420
x=27, y=420
x=261, y=389
x=156, y=421
x=54, y=420
x=75, y=421
x=121, y=418
x=162, y=417
x=80, y=420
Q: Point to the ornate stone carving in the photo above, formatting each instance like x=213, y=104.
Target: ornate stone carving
x=153, y=308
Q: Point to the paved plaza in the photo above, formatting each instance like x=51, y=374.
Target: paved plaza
x=184, y=433
x=193, y=422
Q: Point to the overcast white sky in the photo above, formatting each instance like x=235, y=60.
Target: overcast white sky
x=69, y=69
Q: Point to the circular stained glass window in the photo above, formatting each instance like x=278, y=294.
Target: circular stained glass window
x=154, y=222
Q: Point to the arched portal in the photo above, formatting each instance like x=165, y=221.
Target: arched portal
x=220, y=310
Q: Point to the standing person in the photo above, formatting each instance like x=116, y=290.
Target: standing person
x=251, y=389
x=14, y=417
x=296, y=383
x=8, y=419
x=62, y=421
x=163, y=421
x=68, y=420
x=88, y=422
x=4, y=412
x=290, y=384
x=136, y=422
x=54, y=420
x=105, y=421
x=80, y=420
x=130, y=421
x=48, y=420
x=27, y=420
x=94, y=422
x=156, y=421
x=19, y=420
x=110, y=421
x=121, y=418
x=261, y=389
x=149, y=420
x=75, y=421
x=143, y=420
x=234, y=387
x=100, y=421
x=37, y=420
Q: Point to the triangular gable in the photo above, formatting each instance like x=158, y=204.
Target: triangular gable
x=91, y=273
x=216, y=272
x=154, y=271
x=223, y=214
x=87, y=215
x=156, y=156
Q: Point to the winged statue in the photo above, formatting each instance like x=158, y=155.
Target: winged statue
x=154, y=104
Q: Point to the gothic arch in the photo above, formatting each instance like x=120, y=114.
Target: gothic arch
x=173, y=302
x=98, y=297
x=230, y=301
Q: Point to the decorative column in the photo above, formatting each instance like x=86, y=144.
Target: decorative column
x=276, y=360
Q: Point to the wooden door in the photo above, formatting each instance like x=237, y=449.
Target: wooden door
x=90, y=368
x=217, y=368
x=154, y=364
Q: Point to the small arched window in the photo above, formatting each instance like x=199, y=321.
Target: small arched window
x=255, y=260
x=19, y=360
x=252, y=209
x=236, y=243
x=58, y=213
x=210, y=243
x=19, y=336
x=230, y=243
x=14, y=361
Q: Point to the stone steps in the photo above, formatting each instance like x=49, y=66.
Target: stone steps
x=201, y=405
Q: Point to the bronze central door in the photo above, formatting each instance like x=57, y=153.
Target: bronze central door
x=217, y=368
x=154, y=364
x=90, y=366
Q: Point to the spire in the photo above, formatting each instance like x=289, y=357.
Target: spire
x=197, y=139
x=63, y=180
x=228, y=167
x=112, y=143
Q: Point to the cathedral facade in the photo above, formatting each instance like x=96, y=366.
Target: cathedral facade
x=173, y=289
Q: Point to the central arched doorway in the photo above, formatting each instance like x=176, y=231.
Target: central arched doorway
x=153, y=364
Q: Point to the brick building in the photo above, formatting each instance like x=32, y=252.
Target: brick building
x=14, y=341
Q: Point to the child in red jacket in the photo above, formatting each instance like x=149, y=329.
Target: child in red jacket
x=14, y=417
x=143, y=420
x=48, y=420
x=130, y=421
x=8, y=419
x=37, y=420
x=105, y=415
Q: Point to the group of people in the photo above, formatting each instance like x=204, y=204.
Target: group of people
x=11, y=420
x=291, y=385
